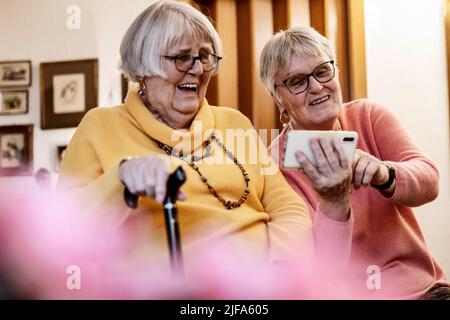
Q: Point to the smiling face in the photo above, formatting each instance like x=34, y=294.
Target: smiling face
x=177, y=98
x=318, y=107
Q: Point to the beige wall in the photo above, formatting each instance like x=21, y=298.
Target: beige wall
x=406, y=70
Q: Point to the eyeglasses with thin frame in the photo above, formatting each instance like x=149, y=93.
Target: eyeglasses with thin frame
x=185, y=62
x=299, y=83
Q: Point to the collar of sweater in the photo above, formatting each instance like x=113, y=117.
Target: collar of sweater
x=186, y=141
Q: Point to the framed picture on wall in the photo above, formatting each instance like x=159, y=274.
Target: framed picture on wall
x=15, y=74
x=68, y=90
x=60, y=151
x=16, y=150
x=126, y=85
x=13, y=102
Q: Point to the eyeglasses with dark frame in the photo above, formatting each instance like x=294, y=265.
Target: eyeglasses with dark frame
x=185, y=62
x=299, y=83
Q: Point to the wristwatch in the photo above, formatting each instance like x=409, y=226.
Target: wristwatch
x=390, y=181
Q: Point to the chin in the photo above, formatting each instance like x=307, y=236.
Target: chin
x=188, y=109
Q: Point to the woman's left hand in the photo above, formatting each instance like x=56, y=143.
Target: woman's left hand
x=330, y=178
x=368, y=169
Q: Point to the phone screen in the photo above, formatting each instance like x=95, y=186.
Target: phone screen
x=299, y=140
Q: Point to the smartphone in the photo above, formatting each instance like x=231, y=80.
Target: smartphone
x=299, y=140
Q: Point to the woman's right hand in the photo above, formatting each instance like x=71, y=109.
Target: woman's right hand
x=332, y=177
x=147, y=176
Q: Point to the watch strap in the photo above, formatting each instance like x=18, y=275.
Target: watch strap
x=390, y=180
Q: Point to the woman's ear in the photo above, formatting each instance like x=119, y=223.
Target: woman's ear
x=278, y=101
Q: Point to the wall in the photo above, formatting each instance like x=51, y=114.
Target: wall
x=36, y=30
x=406, y=70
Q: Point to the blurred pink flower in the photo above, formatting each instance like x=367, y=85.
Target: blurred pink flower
x=45, y=240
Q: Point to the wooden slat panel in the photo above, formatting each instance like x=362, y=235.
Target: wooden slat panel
x=447, y=41
x=280, y=15
x=336, y=30
x=280, y=22
x=317, y=15
x=298, y=13
x=286, y=14
x=227, y=79
x=261, y=31
x=290, y=13
x=255, y=29
x=223, y=88
x=357, y=49
x=208, y=7
x=329, y=17
x=245, y=59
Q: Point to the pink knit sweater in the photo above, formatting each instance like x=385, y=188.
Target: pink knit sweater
x=385, y=232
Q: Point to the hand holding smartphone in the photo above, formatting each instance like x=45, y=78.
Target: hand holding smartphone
x=299, y=140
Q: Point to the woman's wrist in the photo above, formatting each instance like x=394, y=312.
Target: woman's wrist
x=387, y=187
x=387, y=173
x=336, y=210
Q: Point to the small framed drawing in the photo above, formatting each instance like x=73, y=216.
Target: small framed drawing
x=15, y=74
x=126, y=85
x=68, y=90
x=13, y=102
x=16, y=146
x=60, y=151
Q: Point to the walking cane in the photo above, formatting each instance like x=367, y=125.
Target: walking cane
x=174, y=182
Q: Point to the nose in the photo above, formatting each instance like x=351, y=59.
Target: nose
x=197, y=68
x=314, y=85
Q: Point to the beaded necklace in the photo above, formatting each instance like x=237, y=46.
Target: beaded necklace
x=339, y=125
x=191, y=159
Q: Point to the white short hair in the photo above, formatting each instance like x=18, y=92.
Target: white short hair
x=278, y=52
x=156, y=30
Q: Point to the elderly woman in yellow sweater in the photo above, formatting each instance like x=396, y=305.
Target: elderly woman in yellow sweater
x=172, y=51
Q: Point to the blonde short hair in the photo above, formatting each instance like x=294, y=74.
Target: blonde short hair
x=158, y=28
x=277, y=53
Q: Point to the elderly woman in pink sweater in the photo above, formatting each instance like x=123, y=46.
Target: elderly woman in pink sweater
x=370, y=196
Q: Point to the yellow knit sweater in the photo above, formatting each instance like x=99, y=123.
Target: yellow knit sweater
x=273, y=223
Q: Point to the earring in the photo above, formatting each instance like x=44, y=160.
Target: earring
x=142, y=88
x=284, y=118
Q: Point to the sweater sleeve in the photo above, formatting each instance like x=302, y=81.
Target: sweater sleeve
x=82, y=172
x=332, y=239
x=290, y=228
x=417, y=177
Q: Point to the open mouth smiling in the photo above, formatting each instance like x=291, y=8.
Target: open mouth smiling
x=320, y=100
x=188, y=87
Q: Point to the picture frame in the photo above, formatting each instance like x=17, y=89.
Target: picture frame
x=16, y=150
x=60, y=151
x=15, y=74
x=14, y=102
x=126, y=85
x=447, y=45
x=69, y=89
